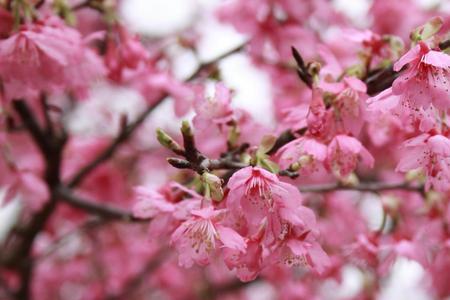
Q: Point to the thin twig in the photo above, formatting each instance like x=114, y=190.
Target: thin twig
x=444, y=45
x=50, y=146
x=96, y=209
x=126, y=133
x=361, y=187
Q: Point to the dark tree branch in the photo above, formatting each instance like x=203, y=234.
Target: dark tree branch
x=19, y=255
x=97, y=209
x=123, y=136
x=444, y=45
x=31, y=124
x=362, y=187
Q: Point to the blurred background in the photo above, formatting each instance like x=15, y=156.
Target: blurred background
x=155, y=19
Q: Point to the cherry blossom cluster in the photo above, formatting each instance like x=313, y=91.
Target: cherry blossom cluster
x=102, y=197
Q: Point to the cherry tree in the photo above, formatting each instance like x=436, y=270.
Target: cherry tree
x=223, y=207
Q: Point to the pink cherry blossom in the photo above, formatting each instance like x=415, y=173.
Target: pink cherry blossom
x=344, y=153
x=198, y=237
x=432, y=155
x=349, y=104
x=426, y=79
x=31, y=60
x=308, y=153
x=124, y=51
x=303, y=251
x=213, y=111
x=257, y=193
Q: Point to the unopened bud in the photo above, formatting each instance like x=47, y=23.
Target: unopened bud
x=305, y=160
x=350, y=180
x=295, y=166
x=213, y=186
x=167, y=141
x=427, y=30
x=416, y=174
x=186, y=129
x=267, y=143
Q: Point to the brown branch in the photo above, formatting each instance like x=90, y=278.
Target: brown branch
x=126, y=133
x=50, y=145
x=93, y=4
x=362, y=187
x=31, y=124
x=444, y=45
x=123, y=136
x=379, y=80
x=97, y=209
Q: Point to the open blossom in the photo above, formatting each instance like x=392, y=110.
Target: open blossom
x=197, y=238
x=344, y=153
x=432, y=155
x=349, y=104
x=47, y=56
x=307, y=153
x=302, y=251
x=320, y=119
x=247, y=264
x=426, y=80
x=213, y=111
x=259, y=195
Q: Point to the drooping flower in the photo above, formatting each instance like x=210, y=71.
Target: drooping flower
x=302, y=250
x=320, y=119
x=198, y=238
x=124, y=50
x=344, y=153
x=349, y=104
x=248, y=264
x=47, y=56
x=426, y=80
x=213, y=111
x=305, y=154
x=259, y=194
x=432, y=155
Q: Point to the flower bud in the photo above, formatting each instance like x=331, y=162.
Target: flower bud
x=166, y=141
x=213, y=186
x=427, y=30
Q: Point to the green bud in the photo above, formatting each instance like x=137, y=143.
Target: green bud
x=427, y=30
x=166, y=141
x=267, y=164
x=267, y=143
x=186, y=128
